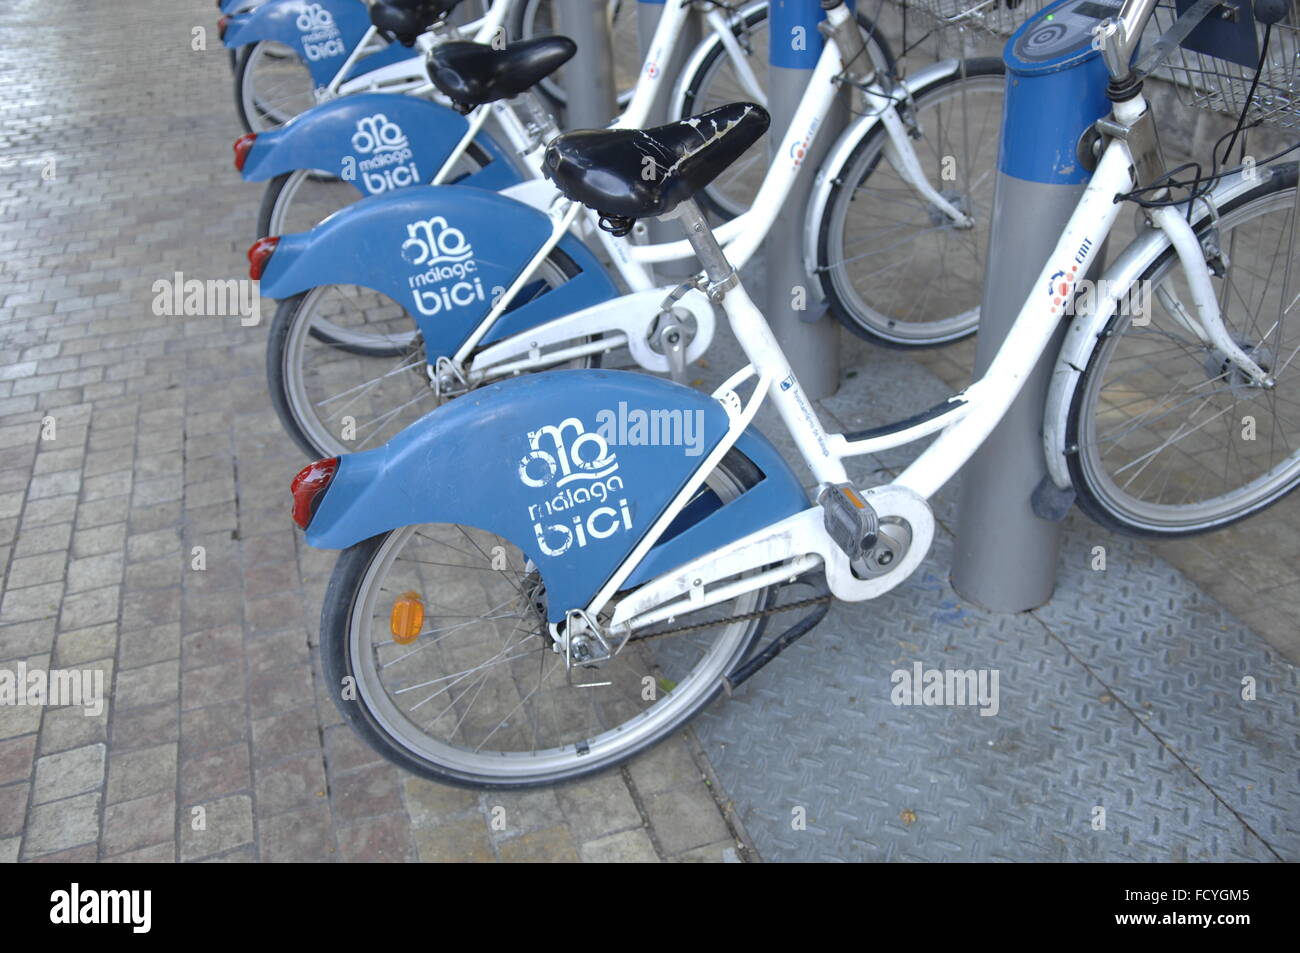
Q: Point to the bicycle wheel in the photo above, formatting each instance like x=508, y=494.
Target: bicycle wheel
x=1165, y=438
x=272, y=85
x=531, y=18
x=892, y=266
x=715, y=81
x=333, y=399
x=480, y=698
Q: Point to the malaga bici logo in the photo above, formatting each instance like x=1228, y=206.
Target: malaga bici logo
x=558, y=458
x=387, y=160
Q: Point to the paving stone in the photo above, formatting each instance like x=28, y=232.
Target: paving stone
x=685, y=818
x=302, y=836
x=291, y=784
x=142, y=822
x=135, y=773
x=457, y=842
x=17, y=756
x=13, y=808
x=626, y=847
x=215, y=774
x=598, y=806
x=377, y=840
x=59, y=825
x=552, y=845
x=67, y=773
x=430, y=804
x=149, y=685
x=374, y=789
x=227, y=823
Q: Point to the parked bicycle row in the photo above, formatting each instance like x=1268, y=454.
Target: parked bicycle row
x=527, y=591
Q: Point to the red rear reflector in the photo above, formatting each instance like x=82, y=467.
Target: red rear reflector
x=307, y=487
x=222, y=23
x=243, y=145
x=259, y=254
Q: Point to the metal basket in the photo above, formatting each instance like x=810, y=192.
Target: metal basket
x=1206, y=82
x=996, y=17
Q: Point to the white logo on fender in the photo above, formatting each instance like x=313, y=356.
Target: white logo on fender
x=449, y=279
x=321, y=39
x=580, y=469
x=391, y=163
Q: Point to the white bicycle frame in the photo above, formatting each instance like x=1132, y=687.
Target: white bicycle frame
x=408, y=75
x=621, y=321
x=801, y=543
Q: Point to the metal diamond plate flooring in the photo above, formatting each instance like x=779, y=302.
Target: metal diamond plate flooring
x=1123, y=693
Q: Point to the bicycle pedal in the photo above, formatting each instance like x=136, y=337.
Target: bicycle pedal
x=850, y=520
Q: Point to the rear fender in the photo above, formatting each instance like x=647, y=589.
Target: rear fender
x=442, y=252
x=549, y=462
x=322, y=32
x=376, y=141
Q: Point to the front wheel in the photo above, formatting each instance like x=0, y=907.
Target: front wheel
x=479, y=697
x=894, y=267
x=1165, y=437
x=716, y=79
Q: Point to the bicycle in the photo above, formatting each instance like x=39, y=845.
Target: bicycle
x=343, y=52
x=588, y=593
x=548, y=303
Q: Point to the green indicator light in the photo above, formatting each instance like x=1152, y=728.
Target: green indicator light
x=1051, y=16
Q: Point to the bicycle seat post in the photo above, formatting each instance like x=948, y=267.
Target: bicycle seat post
x=721, y=275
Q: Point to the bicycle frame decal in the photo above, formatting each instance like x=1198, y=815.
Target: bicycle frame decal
x=442, y=254
x=546, y=477
x=323, y=32
x=375, y=141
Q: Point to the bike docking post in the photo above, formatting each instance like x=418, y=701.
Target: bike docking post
x=794, y=309
x=1009, y=512
x=588, y=79
x=647, y=18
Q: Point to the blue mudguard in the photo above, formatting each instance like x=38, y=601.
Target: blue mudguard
x=376, y=141
x=443, y=253
x=555, y=463
x=322, y=32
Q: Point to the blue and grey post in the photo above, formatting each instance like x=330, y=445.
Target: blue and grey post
x=591, y=100
x=1056, y=89
x=809, y=338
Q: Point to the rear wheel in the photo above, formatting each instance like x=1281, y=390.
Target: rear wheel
x=1168, y=437
x=364, y=379
x=894, y=268
x=480, y=698
x=272, y=85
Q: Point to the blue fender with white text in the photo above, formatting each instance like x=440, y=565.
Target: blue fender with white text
x=554, y=464
x=376, y=141
x=322, y=32
x=444, y=253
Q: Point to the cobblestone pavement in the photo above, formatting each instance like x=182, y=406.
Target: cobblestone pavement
x=115, y=173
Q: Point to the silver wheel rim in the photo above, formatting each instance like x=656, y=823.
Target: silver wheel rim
x=276, y=86
x=372, y=655
x=382, y=393
x=897, y=266
x=1116, y=454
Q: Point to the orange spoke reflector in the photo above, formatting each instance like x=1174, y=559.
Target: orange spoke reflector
x=407, y=618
